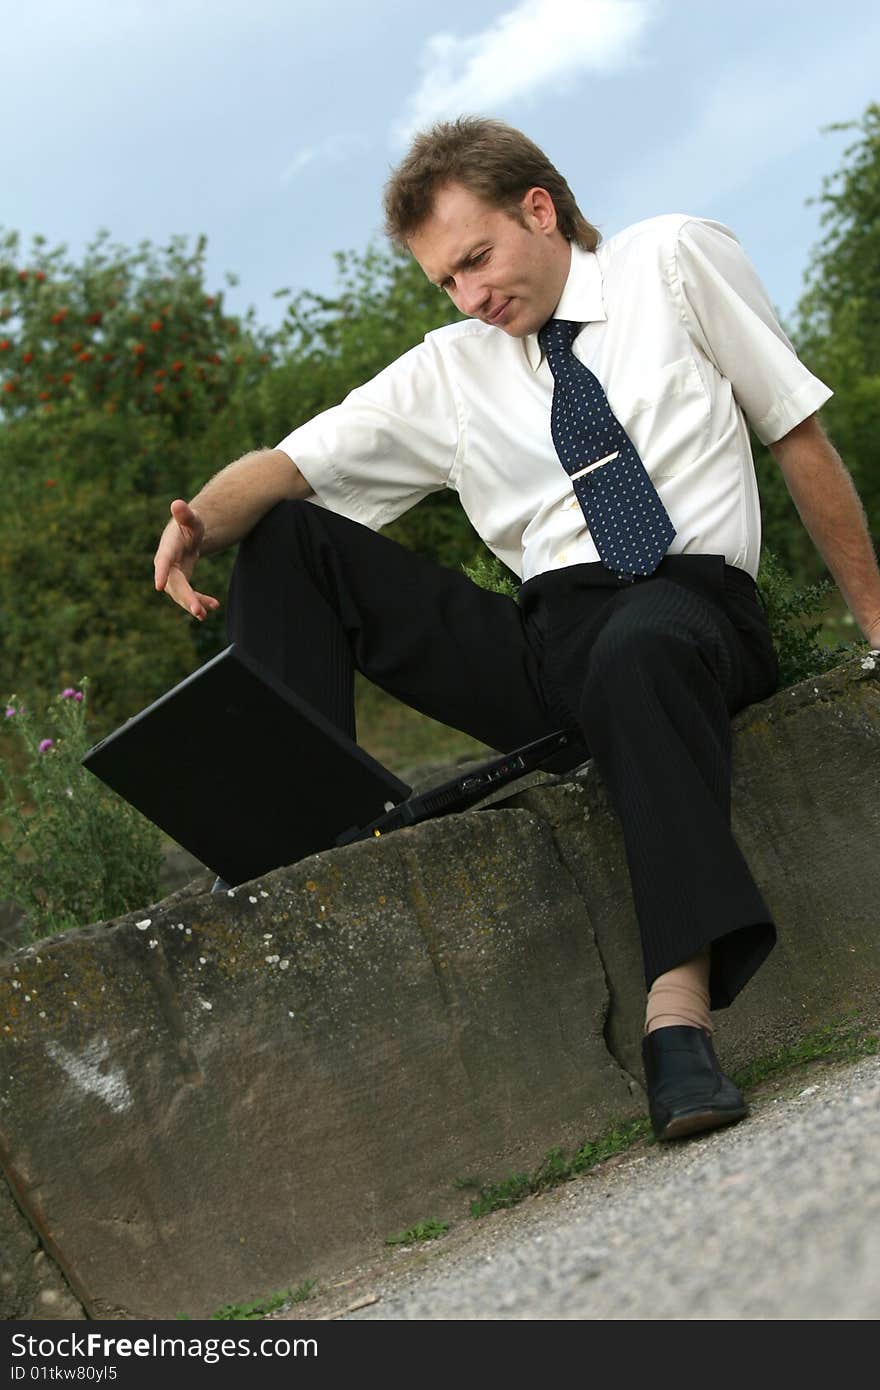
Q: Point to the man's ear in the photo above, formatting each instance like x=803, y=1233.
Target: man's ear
x=539, y=210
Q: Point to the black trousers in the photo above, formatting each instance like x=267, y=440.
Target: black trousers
x=650, y=672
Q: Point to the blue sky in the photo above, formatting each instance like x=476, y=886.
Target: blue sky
x=270, y=125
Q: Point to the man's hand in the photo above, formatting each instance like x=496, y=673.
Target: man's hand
x=175, y=560
x=223, y=513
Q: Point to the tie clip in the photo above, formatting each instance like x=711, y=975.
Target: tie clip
x=590, y=466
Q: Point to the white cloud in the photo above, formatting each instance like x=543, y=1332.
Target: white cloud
x=756, y=115
x=535, y=43
x=330, y=151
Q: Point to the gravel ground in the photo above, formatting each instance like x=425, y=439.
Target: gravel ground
x=777, y=1217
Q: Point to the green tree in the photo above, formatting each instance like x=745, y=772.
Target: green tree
x=837, y=333
x=122, y=331
x=153, y=388
x=76, y=597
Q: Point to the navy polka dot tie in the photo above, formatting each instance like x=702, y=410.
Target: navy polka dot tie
x=629, y=524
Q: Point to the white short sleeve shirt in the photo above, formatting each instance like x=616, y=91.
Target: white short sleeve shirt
x=681, y=334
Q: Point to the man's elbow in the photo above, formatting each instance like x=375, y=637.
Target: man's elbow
x=808, y=435
x=294, y=487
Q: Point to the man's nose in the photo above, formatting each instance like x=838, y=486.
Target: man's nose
x=473, y=296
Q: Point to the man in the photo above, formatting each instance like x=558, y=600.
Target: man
x=591, y=414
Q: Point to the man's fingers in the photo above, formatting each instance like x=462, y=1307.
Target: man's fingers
x=166, y=560
x=180, y=541
x=179, y=588
x=202, y=605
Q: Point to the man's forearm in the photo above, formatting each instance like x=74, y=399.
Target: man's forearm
x=235, y=499
x=832, y=513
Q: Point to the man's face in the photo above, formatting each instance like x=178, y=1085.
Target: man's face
x=494, y=268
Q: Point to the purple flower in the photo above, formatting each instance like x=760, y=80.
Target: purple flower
x=46, y=744
x=77, y=694
x=10, y=711
x=68, y=694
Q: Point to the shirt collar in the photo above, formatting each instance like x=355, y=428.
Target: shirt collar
x=581, y=300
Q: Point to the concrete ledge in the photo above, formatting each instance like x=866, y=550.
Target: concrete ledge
x=31, y=1286
x=248, y=1090
x=221, y=1096
x=805, y=811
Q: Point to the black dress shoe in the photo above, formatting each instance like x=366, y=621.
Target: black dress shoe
x=687, y=1090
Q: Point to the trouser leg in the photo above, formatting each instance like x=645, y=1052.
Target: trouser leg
x=653, y=676
x=315, y=596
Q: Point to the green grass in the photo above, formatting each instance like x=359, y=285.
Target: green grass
x=555, y=1168
x=843, y=1040
x=249, y=1312
x=402, y=738
x=423, y=1230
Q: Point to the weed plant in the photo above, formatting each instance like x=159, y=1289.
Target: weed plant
x=73, y=852
x=261, y=1308
x=423, y=1230
x=800, y=653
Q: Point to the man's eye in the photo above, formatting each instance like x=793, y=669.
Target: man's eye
x=480, y=257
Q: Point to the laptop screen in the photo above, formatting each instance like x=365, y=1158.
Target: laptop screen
x=241, y=771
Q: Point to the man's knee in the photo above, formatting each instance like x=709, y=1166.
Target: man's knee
x=634, y=657
x=281, y=524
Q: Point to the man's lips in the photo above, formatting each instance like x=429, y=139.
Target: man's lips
x=500, y=311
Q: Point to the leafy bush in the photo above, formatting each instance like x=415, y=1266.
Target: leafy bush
x=73, y=852
x=800, y=654
x=125, y=331
x=76, y=592
x=488, y=572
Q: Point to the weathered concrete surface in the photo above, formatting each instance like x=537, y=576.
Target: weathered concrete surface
x=30, y=1283
x=775, y=1219
x=250, y=1091
x=181, y=874
x=245, y=1091
x=805, y=811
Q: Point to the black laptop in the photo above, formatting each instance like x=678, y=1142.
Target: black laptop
x=248, y=776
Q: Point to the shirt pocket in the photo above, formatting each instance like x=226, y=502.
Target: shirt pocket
x=666, y=415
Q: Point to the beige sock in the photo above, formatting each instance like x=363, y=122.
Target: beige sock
x=681, y=996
